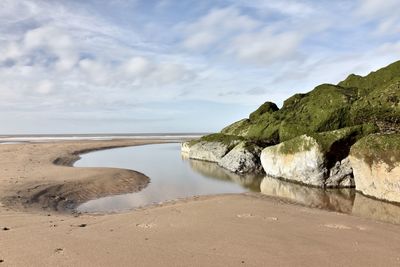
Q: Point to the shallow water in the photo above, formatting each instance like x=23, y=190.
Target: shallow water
x=173, y=176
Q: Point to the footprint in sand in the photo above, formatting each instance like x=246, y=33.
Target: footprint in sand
x=245, y=215
x=270, y=218
x=337, y=226
x=249, y=215
x=59, y=250
x=146, y=225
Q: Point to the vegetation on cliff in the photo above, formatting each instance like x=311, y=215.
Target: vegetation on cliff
x=359, y=112
x=373, y=99
x=378, y=148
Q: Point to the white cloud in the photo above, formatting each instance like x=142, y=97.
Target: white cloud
x=229, y=32
x=38, y=45
x=266, y=46
x=379, y=8
x=45, y=87
x=12, y=11
x=167, y=73
x=103, y=60
x=95, y=71
x=216, y=25
x=390, y=49
x=385, y=12
x=287, y=7
x=10, y=51
x=200, y=40
x=137, y=66
x=55, y=42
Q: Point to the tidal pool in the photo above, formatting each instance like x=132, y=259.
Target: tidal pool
x=171, y=177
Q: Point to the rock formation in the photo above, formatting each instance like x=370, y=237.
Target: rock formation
x=309, y=123
x=315, y=159
x=376, y=165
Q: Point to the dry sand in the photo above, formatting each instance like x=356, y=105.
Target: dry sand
x=225, y=230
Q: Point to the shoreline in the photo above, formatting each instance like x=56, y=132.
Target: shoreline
x=233, y=229
x=64, y=196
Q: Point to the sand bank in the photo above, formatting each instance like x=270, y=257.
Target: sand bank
x=227, y=230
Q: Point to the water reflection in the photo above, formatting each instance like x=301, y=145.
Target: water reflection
x=171, y=177
x=213, y=171
x=175, y=177
x=375, y=209
x=337, y=200
x=340, y=200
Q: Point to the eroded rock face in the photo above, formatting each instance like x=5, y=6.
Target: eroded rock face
x=376, y=164
x=341, y=175
x=185, y=148
x=318, y=160
x=305, y=165
x=243, y=159
x=208, y=151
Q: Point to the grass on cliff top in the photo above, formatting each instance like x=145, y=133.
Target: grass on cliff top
x=357, y=100
x=228, y=140
x=267, y=107
x=380, y=106
x=374, y=80
x=324, y=109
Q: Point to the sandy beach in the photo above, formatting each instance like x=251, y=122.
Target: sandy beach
x=38, y=229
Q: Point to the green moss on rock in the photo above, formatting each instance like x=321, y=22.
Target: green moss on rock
x=267, y=107
x=357, y=100
x=239, y=128
x=380, y=106
x=298, y=144
x=328, y=142
x=228, y=140
x=378, y=148
x=374, y=80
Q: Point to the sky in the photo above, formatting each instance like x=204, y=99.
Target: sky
x=138, y=66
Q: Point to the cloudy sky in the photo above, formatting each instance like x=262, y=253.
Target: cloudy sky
x=72, y=66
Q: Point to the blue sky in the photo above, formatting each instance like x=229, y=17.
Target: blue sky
x=177, y=66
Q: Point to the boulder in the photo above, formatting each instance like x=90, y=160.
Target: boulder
x=315, y=159
x=185, y=148
x=376, y=166
x=210, y=147
x=305, y=165
x=208, y=151
x=243, y=158
x=341, y=174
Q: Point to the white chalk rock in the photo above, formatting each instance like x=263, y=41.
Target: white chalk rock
x=299, y=160
x=243, y=159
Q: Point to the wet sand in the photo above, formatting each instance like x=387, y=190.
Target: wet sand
x=225, y=230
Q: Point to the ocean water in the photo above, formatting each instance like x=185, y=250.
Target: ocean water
x=38, y=138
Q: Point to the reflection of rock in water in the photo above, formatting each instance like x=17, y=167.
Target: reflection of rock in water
x=340, y=200
x=212, y=170
x=375, y=209
x=184, y=155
